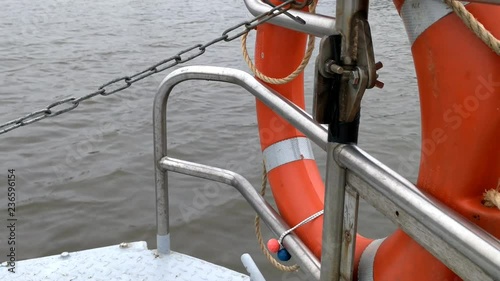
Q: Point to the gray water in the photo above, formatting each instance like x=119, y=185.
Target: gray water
x=85, y=179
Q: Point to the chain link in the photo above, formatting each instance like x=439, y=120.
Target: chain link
x=122, y=83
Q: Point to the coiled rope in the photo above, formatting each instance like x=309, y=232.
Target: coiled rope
x=294, y=74
x=473, y=24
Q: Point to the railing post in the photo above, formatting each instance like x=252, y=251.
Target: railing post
x=161, y=177
x=333, y=217
x=341, y=207
x=340, y=221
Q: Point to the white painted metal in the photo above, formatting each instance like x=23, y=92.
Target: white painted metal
x=252, y=269
x=127, y=261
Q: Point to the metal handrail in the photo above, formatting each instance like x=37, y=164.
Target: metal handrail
x=258, y=203
x=318, y=25
x=465, y=248
x=462, y=246
x=272, y=99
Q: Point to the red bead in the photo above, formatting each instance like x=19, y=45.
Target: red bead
x=273, y=245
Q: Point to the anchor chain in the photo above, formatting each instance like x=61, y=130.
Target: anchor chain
x=119, y=84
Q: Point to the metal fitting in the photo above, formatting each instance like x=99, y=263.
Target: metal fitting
x=354, y=77
x=333, y=68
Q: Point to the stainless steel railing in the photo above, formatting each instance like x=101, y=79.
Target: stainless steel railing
x=303, y=120
x=272, y=219
x=462, y=246
x=318, y=25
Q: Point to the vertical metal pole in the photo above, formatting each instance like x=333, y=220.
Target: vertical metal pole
x=161, y=178
x=334, y=216
x=345, y=10
x=349, y=232
x=340, y=218
x=340, y=221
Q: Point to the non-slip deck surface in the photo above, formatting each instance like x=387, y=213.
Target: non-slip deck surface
x=132, y=261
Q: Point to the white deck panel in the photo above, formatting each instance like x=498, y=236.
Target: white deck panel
x=134, y=262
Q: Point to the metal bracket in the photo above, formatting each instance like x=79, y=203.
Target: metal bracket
x=326, y=81
x=364, y=74
x=348, y=82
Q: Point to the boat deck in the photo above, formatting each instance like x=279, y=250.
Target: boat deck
x=127, y=261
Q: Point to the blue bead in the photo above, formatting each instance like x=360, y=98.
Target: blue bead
x=284, y=255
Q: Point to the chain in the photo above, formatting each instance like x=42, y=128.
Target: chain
x=122, y=83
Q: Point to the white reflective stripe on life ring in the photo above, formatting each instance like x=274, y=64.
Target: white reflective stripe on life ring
x=418, y=15
x=365, y=268
x=287, y=151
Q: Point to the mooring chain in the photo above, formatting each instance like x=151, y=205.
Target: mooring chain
x=122, y=83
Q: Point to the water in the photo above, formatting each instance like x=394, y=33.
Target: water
x=85, y=179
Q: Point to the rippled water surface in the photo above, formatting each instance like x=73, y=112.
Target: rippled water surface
x=85, y=178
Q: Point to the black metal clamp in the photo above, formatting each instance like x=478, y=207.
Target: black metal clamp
x=339, y=87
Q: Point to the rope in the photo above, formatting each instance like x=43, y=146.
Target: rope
x=293, y=75
x=306, y=221
x=492, y=197
x=473, y=24
x=258, y=233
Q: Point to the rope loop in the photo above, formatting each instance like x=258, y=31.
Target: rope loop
x=291, y=76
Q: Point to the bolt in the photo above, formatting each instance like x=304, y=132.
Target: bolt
x=64, y=254
x=124, y=245
x=336, y=68
x=332, y=68
x=347, y=236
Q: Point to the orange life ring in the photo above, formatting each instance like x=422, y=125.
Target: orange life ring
x=459, y=85
x=292, y=171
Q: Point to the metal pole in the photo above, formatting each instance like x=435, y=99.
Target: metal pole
x=345, y=11
x=286, y=109
x=340, y=221
x=318, y=25
x=349, y=232
x=333, y=217
x=161, y=177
